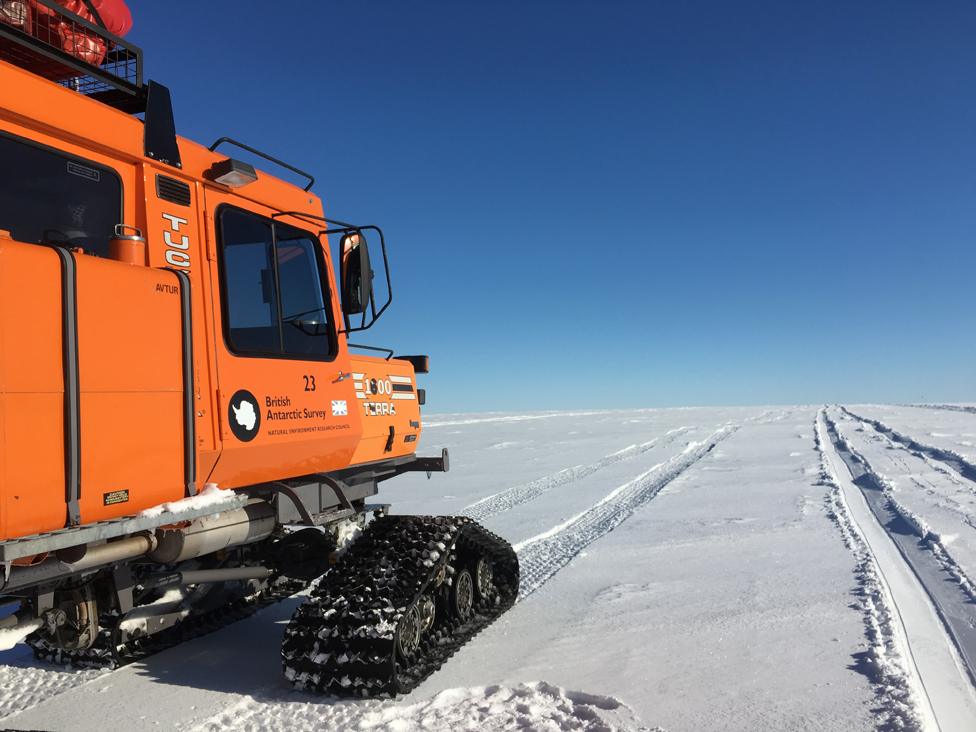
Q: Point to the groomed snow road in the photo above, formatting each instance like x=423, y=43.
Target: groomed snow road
x=683, y=569
x=936, y=643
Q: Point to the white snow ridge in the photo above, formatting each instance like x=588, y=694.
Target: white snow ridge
x=884, y=659
x=530, y=706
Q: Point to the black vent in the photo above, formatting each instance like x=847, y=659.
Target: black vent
x=169, y=189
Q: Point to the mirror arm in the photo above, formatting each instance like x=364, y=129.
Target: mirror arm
x=389, y=282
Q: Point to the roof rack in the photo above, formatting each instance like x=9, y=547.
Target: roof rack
x=104, y=66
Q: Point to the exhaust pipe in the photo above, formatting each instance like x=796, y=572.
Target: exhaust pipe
x=254, y=522
x=111, y=552
x=73, y=561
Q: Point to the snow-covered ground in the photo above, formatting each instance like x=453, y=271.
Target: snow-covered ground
x=683, y=569
x=950, y=426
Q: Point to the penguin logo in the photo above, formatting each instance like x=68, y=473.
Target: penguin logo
x=244, y=415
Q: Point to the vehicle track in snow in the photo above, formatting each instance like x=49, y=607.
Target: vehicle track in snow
x=543, y=556
x=946, y=407
x=947, y=457
x=25, y=683
x=950, y=591
x=887, y=668
x=511, y=497
x=434, y=422
x=956, y=495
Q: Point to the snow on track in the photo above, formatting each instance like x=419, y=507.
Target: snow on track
x=508, y=499
x=544, y=555
x=944, y=660
x=531, y=706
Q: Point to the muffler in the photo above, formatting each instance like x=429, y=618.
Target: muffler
x=254, y=522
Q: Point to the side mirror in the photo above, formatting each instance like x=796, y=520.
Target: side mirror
x=361, y=291
x=356, y=274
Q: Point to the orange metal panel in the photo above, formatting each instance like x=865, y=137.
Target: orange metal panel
x=384, y=407
x=33, y=479
x=32, y=490
x=130, y=441
x=299, y=429
x=30, y=319
x=176, y=240
x=130, y=343
x=54, y=109
x=73, y=118
x=130, y=371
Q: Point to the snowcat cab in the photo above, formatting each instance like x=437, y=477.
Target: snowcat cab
x=185, y=428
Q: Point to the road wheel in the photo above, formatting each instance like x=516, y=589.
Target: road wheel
x=484, y=579
x=427, y=611
x=408, y=633
x=462, y=595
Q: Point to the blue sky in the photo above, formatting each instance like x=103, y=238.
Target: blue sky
x=610, y=204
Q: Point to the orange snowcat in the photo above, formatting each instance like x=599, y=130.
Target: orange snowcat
x=185, y=432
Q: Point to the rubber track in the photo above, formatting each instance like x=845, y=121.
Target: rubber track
x=342, y=639
x=106, y=654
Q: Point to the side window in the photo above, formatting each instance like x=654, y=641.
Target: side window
x=251, y=313
x=47, y=197
x=304, y=316
x=274, y=300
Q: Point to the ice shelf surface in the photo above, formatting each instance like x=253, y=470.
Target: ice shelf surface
x=683, y=569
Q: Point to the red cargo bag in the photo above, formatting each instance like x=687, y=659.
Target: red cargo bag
x=55, y=29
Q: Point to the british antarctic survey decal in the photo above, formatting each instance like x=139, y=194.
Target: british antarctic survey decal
x=244, y=415
x=303, y=414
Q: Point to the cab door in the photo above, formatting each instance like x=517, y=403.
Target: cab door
x=286, y=403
